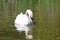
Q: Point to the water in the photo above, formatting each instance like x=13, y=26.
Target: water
x=46, y=18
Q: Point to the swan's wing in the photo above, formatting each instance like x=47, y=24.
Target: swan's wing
x=22, y=19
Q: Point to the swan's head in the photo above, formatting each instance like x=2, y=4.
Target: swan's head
x=29, y=13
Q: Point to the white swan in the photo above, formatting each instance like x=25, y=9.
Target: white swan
x=22, y=21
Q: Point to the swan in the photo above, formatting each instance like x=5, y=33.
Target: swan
x=22, y=21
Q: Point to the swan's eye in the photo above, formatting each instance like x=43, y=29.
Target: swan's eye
x=27, y=14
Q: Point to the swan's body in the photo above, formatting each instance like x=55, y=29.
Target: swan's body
x=22, y=19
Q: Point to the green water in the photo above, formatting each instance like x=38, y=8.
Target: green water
x=46, y=18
